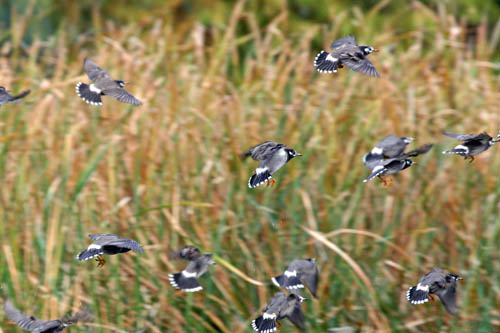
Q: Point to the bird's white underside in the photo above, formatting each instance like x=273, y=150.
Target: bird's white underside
x=269, y=315
x=377, y=151
x=188, y=275
x=290, y=273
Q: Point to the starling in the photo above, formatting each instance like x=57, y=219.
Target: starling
x=5, y=97
x=437, y=283
x=273, y=156
x=388, y=157
x=103, y=85
x=473, y=144
x=32, y=324
x=345, y=51
x=187, y=280
x=298, y=273
x=108, y=244
x=279, y=307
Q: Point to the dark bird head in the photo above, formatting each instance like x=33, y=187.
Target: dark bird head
x=297, y=298
x=407, y=163
x=121, y=83
x=313, y=260
x=2, y=89
x=291, y=153
x=453, y=277
x=367, y=49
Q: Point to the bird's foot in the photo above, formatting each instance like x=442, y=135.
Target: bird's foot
x=386, y=181
x=100, y=261
x=278, y=324
x=470, y=158
x=431, y=298
x=270, y=182
x=340, y=66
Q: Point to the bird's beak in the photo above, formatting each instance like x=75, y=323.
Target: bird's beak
x=376, y=50
x=298, y=154
x=460, y=278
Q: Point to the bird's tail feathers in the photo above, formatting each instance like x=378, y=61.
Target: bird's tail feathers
x=89, y=254
x=457, y=151
x=89, y=96
x=259, y=178
x=187, y=284
x=262, y=325
x=288, y=282
x=325, y=63
x=417, y=296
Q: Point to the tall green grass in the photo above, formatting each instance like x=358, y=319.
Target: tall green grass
x=168, y=173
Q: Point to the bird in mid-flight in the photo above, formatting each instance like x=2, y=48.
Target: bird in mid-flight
x=32, y=324
x=388, y=157
x=5, y=97
x=345, y=51
x=103, y=85
x=298, y=273
x=108, y=244
x=438, y=283
x=273, y=156
x=473, y=144
x=280, y=307
x=187, y=280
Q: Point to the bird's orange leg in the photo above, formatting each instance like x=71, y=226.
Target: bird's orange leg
x=340, y=66
x=100, y=261
x=278, y=324
x=273, y=182
x=431, y=298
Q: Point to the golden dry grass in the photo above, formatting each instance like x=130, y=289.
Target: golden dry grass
x=168, y=174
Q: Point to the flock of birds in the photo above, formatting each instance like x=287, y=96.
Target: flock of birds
x=386, y=158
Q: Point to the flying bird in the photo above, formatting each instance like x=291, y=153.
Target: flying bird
x=438, y=283
x=273, y=156
x=108, y=244
x=187, y=280
x=473, y=144
x=345, y=51
x=279, y=307
x=388, y=157
x=32, y=324
x=298, y=273
x=5, y=97
x=103, y=85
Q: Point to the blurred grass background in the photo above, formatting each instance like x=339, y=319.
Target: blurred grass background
x=217, y=77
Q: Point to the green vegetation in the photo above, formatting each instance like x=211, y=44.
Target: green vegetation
x=217, y=78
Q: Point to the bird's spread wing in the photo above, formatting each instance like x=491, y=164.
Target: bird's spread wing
x=310, y=276
x=296, y=316
x=419, y=151
x=448, y=296
x=21, y=319
x=264, y=150
x=460, y=137
x=122, y=95
x=125, y=243
x=391, y=146
x=97, y=236
x=346, y=40
x=47, y=326
x=188, y=253
x=93, y=71
x=15, y=99
x=358, y=63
